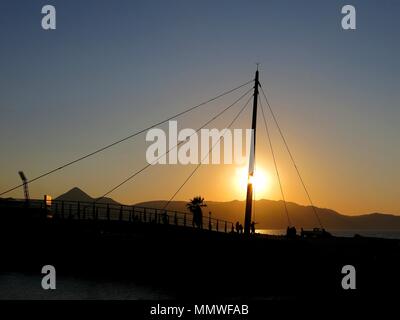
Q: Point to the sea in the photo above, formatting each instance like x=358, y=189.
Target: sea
x=24, y=286
x=27, y=286
x=388, y=234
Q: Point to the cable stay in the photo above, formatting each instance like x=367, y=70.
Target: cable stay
x=292, y=158
x=126, y=138
x=275, y=163
x=254, y=189
x=177, y=145
x=208, y=153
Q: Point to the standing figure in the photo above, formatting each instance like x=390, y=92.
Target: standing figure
x=253, y=227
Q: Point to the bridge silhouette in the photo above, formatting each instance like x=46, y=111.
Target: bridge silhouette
x=103, y=211
x=97, y=211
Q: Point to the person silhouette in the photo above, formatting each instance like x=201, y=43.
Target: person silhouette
x=165, y=218
x=253, y=227
x=237, y=227
x=291, y=232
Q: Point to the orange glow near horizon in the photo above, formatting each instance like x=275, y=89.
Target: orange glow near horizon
x=261, y=181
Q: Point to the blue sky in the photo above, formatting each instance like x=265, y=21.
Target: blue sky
x=113, y=67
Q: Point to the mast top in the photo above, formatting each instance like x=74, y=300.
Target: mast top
x=257, y=82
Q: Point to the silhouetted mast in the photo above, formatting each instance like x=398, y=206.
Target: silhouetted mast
x=249, y=196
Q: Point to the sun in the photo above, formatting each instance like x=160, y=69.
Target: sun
x=261, y=181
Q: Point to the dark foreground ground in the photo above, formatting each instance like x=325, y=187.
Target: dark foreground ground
x=189, y=263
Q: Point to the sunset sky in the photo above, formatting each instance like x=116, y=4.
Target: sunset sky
x=114, y=67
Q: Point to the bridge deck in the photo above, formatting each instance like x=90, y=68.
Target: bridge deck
x=79, y=210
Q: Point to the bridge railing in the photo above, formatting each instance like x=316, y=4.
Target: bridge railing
x=80, y=210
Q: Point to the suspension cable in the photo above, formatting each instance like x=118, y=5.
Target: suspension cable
x=178, y=144
x=275, y=163
x=254, y=191
x=209, y=151
x=292, y=158
x=126, y=138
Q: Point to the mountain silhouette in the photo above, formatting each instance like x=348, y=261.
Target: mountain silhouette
x=76, y=194
x=269, y=214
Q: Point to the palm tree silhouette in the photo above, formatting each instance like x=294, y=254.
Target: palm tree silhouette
x=194, y=205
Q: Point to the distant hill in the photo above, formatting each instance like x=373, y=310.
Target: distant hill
x=76, y=194
x=269, y=214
